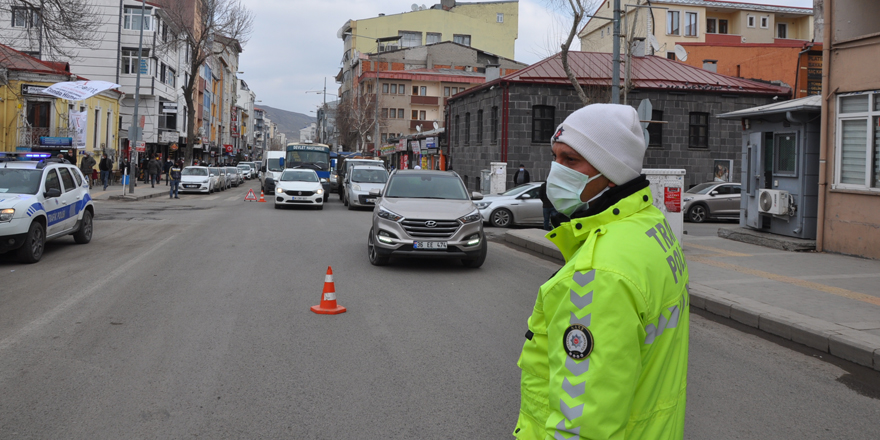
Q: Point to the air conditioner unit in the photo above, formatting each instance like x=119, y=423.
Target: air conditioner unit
x=773, y=201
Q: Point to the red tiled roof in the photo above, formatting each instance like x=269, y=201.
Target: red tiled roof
x=649, y=72
x=15, y=60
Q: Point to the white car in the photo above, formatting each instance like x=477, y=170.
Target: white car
x=246, y=171
x=40, y=201
x=299, y=187
x=518, y=206
x=361, y=179
x=197, y=179
x=218, y=179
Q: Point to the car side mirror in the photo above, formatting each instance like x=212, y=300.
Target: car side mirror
x=476, y=196
x=263, y=168
x=525, y=197
x=713, y=193
x=375, y=192
x=52, y=193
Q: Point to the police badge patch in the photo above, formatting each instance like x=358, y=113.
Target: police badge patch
x=577, y=341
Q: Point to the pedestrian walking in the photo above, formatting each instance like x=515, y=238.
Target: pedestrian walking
x=167, y=169
x=606, y=351
x=106, y=166
x=87, y=165
x=549, y=210
x=174, y=175
x=521, y=176
x=154, y=169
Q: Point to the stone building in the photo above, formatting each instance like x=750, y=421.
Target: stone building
x=513, y=118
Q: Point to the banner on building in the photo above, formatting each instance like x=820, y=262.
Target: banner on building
x=414, y=146
x=234, y=127
x=78, y=122
x=79, y=90
x=401, y=145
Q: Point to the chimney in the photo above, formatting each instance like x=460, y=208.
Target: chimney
x=710, y=65
x=447, y=4
x=493, y=72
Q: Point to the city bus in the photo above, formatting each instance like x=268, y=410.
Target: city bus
x=312, y=156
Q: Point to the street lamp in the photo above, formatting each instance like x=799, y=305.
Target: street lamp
x=323, y=113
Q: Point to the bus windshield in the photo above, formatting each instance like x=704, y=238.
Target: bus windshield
x=318, y=160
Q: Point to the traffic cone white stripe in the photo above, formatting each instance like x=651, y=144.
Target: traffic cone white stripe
x=328, y=278
x=330, y=296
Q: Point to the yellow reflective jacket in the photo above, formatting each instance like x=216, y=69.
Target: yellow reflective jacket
x=606, y=353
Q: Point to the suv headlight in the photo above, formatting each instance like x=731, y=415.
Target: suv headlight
x=388, y=215
x=279, y=190
x=6, y=214
x=472, y=217
x=482, y=205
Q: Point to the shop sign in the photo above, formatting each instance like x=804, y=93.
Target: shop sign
x=173, y=147
x=169, y=107
x=234, y=128
x=140, y=146
x=431, y=143
x=228, y=148
x=388, y=150
x=168, y=136
x=414, y=146
x=401, y=145
x=30, y=89
x=56, y=141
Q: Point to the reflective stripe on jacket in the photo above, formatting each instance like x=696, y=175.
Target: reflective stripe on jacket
x=625, y=280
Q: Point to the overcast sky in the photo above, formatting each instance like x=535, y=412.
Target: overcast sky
x=294, y=45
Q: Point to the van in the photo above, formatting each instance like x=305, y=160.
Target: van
x=270, y=170
x=347, y=163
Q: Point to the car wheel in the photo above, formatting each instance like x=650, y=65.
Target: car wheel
x=501, y=218
x=375, y=258
x=698, y=213
x=84, y=234
x=476, y=262
x=34, y=243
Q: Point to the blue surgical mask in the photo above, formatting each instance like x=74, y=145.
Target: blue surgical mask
x=564, y=188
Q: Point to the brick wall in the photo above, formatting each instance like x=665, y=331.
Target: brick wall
x=469, y=158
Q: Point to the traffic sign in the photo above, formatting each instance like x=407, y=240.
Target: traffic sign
x=251, y=196
x=140, y=146
x=228, y=148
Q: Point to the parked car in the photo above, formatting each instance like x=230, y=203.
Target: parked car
x=197, y=179
x=711, y=200
x=219, y=178
x=346, y=164
x=234, y=176
x=360, y=181
x=246, y=171
x=299, y=187
x=518, y=206
x=41, y=201
x=428, y=214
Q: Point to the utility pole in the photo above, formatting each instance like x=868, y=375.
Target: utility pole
x=137, y=102
x=615, y=56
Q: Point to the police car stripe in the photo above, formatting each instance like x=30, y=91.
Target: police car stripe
x=574, y=391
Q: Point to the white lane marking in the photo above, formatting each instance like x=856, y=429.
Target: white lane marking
x=51, y=315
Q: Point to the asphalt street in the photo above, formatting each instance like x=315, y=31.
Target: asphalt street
x=190, y=319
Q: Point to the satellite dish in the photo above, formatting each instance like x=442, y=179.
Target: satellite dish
x=415, y=7
x=424, y=7
x=419, y=128
x=436, y=125
x=680, y=53
x=652, y=40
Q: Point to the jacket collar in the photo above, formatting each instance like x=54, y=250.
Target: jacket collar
x=616, y=204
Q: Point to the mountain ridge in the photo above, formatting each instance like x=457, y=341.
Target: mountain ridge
x=288, y=122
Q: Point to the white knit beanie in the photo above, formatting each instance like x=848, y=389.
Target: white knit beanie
x=609, y=137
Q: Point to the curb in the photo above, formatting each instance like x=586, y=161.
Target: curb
x=843, y=342
x=128, y=198
x=767, y=240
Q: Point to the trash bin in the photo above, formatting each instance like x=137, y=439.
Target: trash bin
x=667, y=186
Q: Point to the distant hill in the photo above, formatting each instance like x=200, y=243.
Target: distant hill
x=289, y=123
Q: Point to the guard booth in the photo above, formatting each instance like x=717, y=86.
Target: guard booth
x=780, y=166
x=667, y=186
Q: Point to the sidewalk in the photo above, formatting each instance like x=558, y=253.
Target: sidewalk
x=141, y=191
x=825, y=301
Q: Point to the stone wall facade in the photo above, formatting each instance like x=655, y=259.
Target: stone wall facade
x=471, y=154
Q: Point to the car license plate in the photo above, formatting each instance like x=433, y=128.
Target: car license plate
x=190, y=186
x=370, y=200
x=300, y=198
x=429, y=245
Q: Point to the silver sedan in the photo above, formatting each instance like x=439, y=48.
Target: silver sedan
x=520, y=205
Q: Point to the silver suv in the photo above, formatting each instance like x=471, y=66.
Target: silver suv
x=428, y=214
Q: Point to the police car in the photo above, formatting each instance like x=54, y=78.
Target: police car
x=40, y=201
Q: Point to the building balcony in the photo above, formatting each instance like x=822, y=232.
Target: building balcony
x=426, y=125
x=423, y=100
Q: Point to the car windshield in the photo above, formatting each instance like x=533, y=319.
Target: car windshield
x=19, y=181
x=214, y=171
x=194, y=172
x=299, y=176
x=244, y=167
x=426, y=186
x=517, y=190
x=369, y=176
x=702, y=188
x=273, y=164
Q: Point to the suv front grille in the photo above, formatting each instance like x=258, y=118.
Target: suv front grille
x=418, y=228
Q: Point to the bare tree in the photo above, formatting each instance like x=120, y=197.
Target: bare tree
x=356, y=118
x=206, y=28
x=577, y=11
x=54, y=28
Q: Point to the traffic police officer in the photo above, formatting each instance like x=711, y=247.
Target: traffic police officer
x=605, y=355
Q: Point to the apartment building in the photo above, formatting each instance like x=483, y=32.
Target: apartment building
x=489, y=26
x=245, y=107
x=747, y=40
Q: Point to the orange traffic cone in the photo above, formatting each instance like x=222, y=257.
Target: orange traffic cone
x=328, y=304
x=262, y=200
